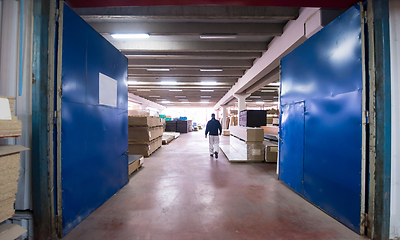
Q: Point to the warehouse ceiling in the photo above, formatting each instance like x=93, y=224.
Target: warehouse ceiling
x=191, y=55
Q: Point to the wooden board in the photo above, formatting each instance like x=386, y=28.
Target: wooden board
x=242, y=152
x=135, y=165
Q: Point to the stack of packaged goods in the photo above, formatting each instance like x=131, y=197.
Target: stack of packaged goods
x=170, y=126
x=190, y=125
x=145, y=134
x=10, y=127
x=182, y=126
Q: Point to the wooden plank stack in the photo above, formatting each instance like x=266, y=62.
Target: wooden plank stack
x=145, y=134
x=9, y=161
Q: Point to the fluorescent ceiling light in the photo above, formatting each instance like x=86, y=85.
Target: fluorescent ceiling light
x=175, y=90
x=211, y=70
x=130, y=35
x=180, y=96
x=267, y=100
x=255, y=96
x=132, y=82
x=154, y=96
x=277, y=84
x=169, y=82
x=268, y=90
x=207, y=90
x=157, y=69
x=143, y=90
x=209, y=83
x=165, y=102
x=276, y=97
x=204, y=102
x=260, y=102
x=205, y=96
x=184, y=100
x=218, y=36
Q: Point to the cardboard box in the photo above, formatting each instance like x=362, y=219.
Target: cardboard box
x=226, y=132
x=248, y=134
x=149, y=121
x=271, y=151
x=9, y=174
x=145, y=149
x=144, y=134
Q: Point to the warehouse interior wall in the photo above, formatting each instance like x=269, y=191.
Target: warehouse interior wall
x=394, y=20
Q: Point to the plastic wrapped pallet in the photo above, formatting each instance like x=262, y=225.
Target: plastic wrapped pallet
x=9, y=174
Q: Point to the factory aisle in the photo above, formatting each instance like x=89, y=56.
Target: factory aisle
x=183, y=193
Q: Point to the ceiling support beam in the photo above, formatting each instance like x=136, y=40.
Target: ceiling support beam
x=190, y=12
x=190, y=55
x=175, y=63
x=197, y=46
x=189, y=28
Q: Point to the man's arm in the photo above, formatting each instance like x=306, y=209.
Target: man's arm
x=207, y=129
x=220, y=128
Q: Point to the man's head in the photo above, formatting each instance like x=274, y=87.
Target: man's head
x=213, y=115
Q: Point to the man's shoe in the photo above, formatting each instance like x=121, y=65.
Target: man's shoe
x=216, y=155
x=211, y=155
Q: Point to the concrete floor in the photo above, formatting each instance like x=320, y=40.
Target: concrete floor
x=183, y=193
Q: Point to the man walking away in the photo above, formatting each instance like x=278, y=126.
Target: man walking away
x=212, y=127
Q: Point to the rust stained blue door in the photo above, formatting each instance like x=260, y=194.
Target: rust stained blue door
x=291, y=159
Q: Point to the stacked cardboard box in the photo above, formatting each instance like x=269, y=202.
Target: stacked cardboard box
x=145, y=134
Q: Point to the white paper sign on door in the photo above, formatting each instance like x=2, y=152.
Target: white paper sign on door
x=5, y=111
x=107, y=90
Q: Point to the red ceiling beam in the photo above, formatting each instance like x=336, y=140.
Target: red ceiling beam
x=283, y=3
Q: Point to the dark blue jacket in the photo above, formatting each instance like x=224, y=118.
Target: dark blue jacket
x=212, y=127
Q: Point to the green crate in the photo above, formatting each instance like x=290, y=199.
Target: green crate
x=168, y=119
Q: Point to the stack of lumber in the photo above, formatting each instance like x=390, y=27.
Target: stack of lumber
x=145, y=134
x=245, y=145
x=9, y=127
x=168, y=137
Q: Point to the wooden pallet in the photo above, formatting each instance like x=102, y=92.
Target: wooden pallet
x=135, y=165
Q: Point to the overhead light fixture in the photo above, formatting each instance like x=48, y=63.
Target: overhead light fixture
x=154, y=96
x=175, y=90
x=132, y=82
x=209, y=83
x=255, y=96
x=158, y=69
x=180, y=96
x=268, y=90
x=276, y=97
x=130, y=35
x=211, y=70
x=260, y=102
x=143, y=90
x=218, y=36
x=169, y=82
x=205, y=96
x=276, y=84
x=267, y=100
x=165, y=102
x=206, y=90
x=183, y=100
x=204, y=102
